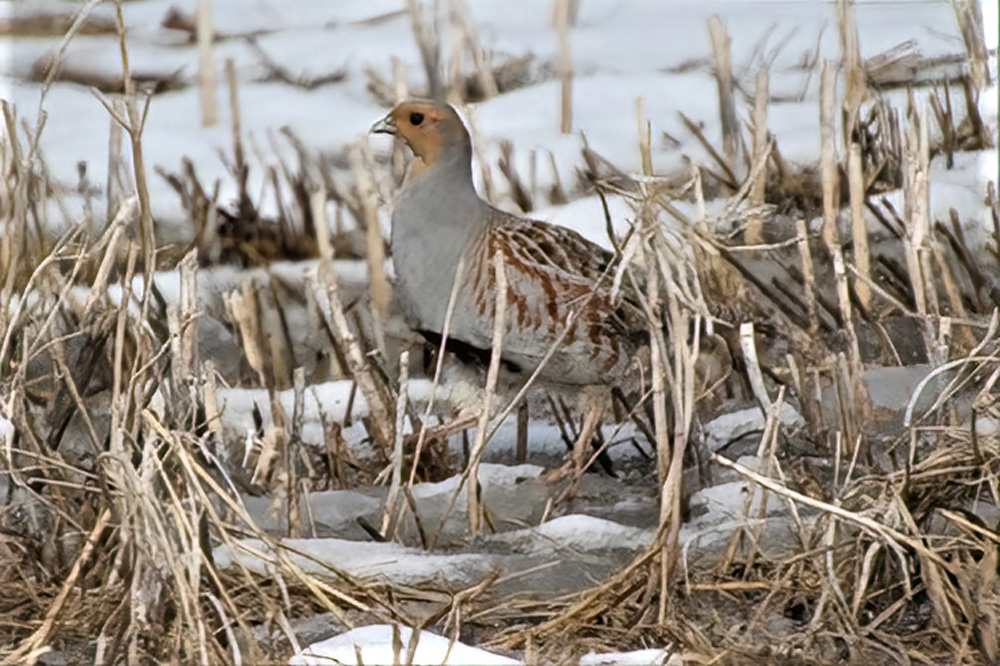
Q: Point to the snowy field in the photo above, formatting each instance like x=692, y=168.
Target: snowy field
x=622, y=51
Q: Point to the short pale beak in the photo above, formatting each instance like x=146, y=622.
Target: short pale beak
x=385, y=126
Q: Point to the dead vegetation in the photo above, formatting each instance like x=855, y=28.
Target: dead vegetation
x=892, y=562
x=51, y=68
x=48, y=24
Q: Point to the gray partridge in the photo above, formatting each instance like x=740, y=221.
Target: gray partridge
x=439, y=219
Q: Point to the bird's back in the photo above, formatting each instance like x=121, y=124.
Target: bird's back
x=556, y=279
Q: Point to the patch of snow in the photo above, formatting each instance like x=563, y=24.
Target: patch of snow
x=577, y=533
x=722, y=510
x=376, y=563
x=374, y=646
x=730, y=427
x=489, y=475
x=650, y=657
x=328, y=399
x=729, y=500
x=545, y=439
x=216, y=281
x=987, y=426
x=964, y=188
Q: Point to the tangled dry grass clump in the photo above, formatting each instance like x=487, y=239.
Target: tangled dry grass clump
x=113, y=538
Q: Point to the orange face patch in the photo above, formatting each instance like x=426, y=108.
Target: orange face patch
x=427, y=128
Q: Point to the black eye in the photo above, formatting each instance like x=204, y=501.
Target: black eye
x=416, y=118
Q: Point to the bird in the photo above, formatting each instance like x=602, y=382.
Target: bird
x=555, y=277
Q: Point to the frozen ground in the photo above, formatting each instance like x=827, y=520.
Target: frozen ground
x=375, y=645
x=621, y=51
x=380, y=644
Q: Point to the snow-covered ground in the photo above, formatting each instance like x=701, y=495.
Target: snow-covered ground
x=380, y=644
x=622, y=50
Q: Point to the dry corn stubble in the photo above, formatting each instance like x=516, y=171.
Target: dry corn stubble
x=879, y=546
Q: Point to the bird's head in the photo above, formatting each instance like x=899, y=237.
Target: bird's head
x=429, y=128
